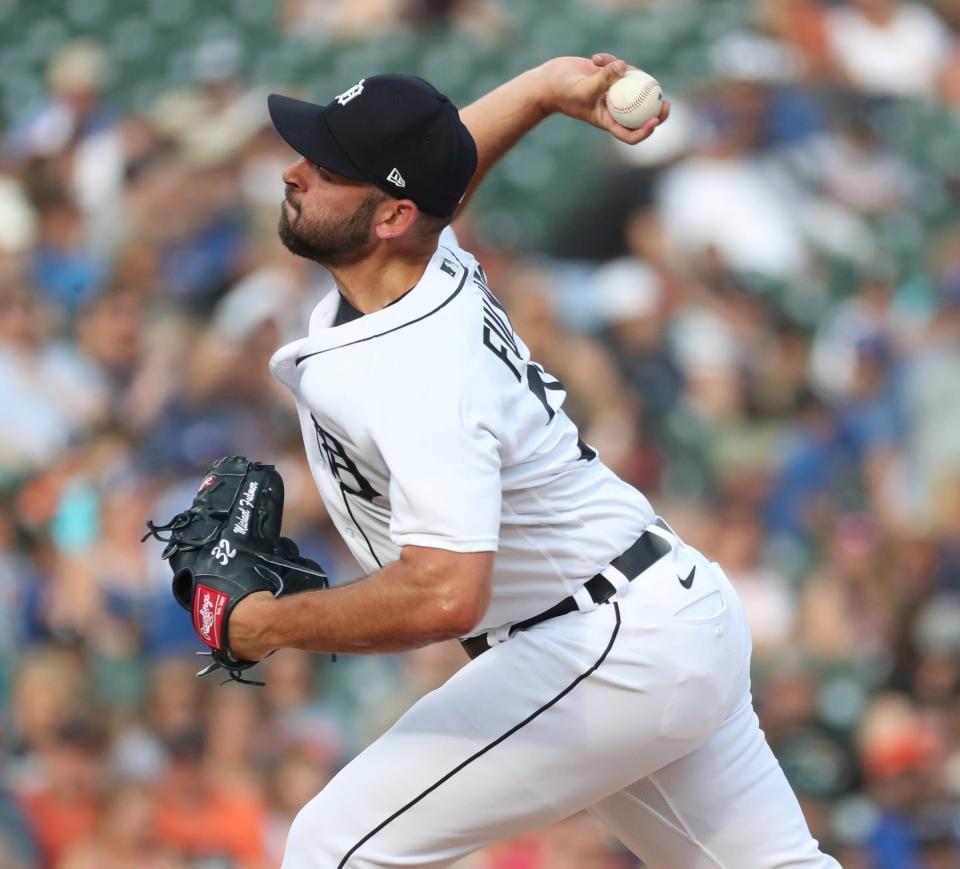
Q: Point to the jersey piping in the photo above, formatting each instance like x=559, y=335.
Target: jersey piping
x=346, y=503
x=443, y=304
x=616, y=630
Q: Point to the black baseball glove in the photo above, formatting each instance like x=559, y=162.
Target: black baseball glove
x=228, y=545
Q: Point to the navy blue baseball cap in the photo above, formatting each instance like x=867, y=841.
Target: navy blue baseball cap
x=395, y=131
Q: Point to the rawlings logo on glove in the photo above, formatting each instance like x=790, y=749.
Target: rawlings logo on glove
x=208, y=605
x=240, y=505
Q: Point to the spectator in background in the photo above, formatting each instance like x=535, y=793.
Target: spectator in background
x=125, y=836
x=801, y=25
x=816, y=465
x=333, y=20
x=277, y=290
x=710, y=357
x=933, y=381
x=849, y=608
x=902, y=754
x=629, y=298
x=596, y=396
x=725, y=202
x=935, y=646
x=233, y=721
x=46, y=403
x=64, y=268
x=203, y=252
x=49, y=690
x=767, y=597
x=867, y=314
x=198, y=816
x=105, y=583
x=17, y=574
x=18, y=222
x=298, y=774
x=855, y=363
x=851, y=165
x=63, y=801
x=888, y=48
x=579, y=842
x=174, y=702
x=129, y=354
x=74, y=108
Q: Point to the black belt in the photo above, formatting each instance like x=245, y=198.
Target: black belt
x=646, y=551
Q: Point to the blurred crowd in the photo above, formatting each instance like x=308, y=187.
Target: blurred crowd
x=756, y=315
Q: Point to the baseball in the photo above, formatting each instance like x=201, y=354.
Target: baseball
x=634, y=99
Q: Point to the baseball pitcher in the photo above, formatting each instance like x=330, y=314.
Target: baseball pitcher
x=610, y=660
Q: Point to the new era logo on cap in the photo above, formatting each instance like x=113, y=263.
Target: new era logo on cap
x=396, y=178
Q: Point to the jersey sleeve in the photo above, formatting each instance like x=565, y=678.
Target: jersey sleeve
x=442, y=452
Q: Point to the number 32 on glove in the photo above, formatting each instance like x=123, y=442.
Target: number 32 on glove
x=228, y=545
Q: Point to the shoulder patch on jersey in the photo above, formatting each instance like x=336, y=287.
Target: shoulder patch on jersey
x=448, y=267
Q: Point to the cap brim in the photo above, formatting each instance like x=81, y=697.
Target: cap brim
x=305, y=129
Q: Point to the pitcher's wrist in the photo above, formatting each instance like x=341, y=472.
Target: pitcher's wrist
x=249, y=627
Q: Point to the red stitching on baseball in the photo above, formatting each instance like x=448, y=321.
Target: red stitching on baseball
x=645, y=91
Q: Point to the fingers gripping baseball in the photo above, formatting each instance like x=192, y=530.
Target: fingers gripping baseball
x=606, y=75
x=577, y=87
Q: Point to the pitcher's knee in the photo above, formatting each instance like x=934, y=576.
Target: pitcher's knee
x=319, y=839
x=314, y=841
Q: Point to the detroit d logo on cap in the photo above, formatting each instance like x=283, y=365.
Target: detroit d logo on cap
x=351, y=93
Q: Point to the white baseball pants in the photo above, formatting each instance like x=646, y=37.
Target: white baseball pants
x=639, y=712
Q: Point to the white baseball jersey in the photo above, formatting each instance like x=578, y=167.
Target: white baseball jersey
x=426, y=423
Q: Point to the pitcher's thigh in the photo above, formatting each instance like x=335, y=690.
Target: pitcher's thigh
x=727, y=804
x=516, y=740
x=535, y=730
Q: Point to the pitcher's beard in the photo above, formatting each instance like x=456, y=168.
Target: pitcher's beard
x=334, y=242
